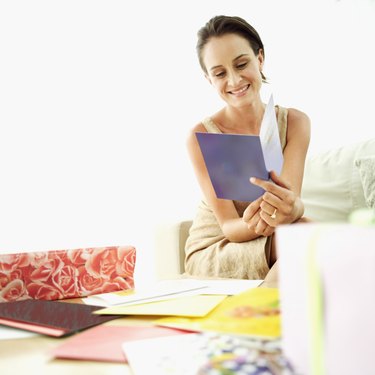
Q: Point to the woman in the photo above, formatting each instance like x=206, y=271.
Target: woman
x=233, y=239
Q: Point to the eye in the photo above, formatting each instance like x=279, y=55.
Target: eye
x=242, y=66
x=220, y=74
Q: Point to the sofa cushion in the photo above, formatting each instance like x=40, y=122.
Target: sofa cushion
x=332, y=186
x=366, y=167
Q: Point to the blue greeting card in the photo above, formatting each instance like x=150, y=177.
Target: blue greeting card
x=231, y=159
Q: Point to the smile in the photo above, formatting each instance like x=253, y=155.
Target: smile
x=240, y=91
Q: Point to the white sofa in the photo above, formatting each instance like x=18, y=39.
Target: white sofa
x=336, y=183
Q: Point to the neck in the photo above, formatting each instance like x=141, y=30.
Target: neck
x=245, y=120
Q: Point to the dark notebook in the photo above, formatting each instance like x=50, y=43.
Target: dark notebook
x=52, y=318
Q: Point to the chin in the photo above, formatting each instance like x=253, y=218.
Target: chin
x=241, y=102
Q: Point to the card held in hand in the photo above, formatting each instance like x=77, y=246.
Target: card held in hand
x=231, y=159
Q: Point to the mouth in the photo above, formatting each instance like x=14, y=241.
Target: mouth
x=239, y=91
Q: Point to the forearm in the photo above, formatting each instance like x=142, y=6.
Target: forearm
x=236, y=230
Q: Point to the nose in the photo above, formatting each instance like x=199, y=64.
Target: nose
x=233, y=77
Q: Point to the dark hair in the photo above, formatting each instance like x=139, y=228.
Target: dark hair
x=222, y=25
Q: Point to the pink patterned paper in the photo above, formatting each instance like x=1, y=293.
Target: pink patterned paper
x=59, y=274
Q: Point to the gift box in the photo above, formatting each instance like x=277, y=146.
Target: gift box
x=327, y=297
x=59, y=274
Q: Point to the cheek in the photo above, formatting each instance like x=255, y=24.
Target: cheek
x=218, y=84
x=253, y=71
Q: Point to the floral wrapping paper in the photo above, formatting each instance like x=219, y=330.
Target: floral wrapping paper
x=58, y=274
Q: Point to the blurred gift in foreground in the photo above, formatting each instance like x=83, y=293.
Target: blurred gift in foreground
x=327, y=296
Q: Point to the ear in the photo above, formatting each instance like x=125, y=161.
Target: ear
x=260, y=58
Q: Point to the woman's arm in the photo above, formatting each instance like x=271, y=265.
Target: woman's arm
x=283, y=192
x=233, y=227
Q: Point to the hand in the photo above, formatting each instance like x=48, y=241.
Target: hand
x=254, y=221
x=279, y=202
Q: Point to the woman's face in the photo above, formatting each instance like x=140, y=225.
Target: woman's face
x=233, y=69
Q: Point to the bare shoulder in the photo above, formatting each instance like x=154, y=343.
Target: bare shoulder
x=298, y=122
x=193, y=147
x=191, y=138
x=295, y=116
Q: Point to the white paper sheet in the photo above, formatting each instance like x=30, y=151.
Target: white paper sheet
x=168, y=289
x=270, y=139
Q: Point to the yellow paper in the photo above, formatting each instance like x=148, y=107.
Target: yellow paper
x=253, y=313
x=191, y=306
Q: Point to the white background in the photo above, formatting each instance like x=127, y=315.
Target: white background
x=96, y=99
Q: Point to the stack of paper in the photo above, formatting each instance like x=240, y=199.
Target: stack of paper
x=185, y=297
x=242, y=331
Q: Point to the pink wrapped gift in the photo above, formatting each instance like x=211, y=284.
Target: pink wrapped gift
x=59, y=274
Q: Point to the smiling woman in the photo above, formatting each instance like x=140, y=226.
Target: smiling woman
x=229, y=59
x=97, y=98
x=234, y=239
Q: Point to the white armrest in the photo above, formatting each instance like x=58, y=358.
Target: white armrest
x=170, y=241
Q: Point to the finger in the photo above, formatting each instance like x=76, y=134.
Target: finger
x=261, y=227
x=251, y=209
x=268, y=219
x=268, y=231
x=264, y=184
x=269, y=203
x=254, y=221
x=278, y=181
x=274, y=177
x=271, y=187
